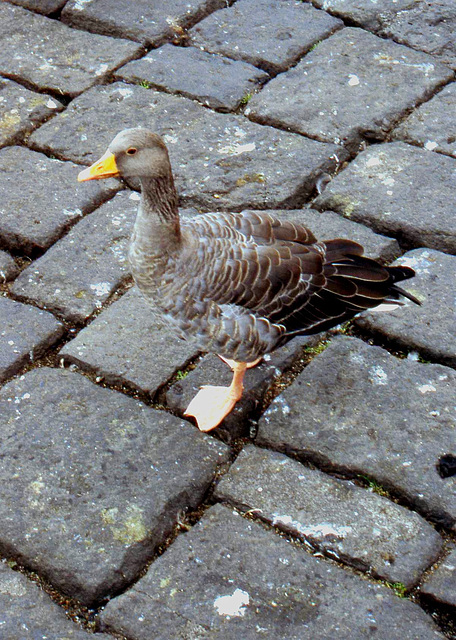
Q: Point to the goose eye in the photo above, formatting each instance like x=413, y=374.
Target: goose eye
x=131, y=151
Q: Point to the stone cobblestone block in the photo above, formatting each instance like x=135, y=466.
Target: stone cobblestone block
x=368, y=14
x=215, y=81
x=92, y=481
x=398, y=190
x=79, y=273
x=429, y=329
x=40, y=6
x=27, y=612
x=265, y=33
x=220, y=161
x=26, y=333
x=351, y=86
x=21, y=111
x=441, y=585
x=344, y=521
x=361, y=411
x=48, y=55
x=427, y=26
x=229, y=578
x=149, y=22
x=8, y=267
x=432, y=125
x=212, y=370
x=37, y=211
x=326, y=225
x=127, y=344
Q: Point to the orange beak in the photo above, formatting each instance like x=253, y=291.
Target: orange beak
x=105, y=167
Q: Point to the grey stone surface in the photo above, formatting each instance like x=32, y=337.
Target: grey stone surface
x=399, y=190
x=26, y=333
x=352, y=85
x=127, y=344
x=212, y=370
x=27, y=612
x=215, y=81
x=423, y=25
x=36, y=212
x=48, y=55
x=431, y=328
x=79, y=273
x=344, y=521
x=326, y=225
x=428, y=26
x=220, y=161
x=40, y=6
x=8, y=267
x=441, y=584
x=22, y=110
x=360, y=410
x=265, y=33
x=432, y=125
x=148, y=21
x=92, y=481
x=228, y=578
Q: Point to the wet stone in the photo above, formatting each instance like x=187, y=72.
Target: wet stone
x=229, y=578
x=351, y=86
x=26, y=333
x=441, y=585
x=37, y=211
x=359, y=410
x=127, y=343
x=8, y=267
x=220, y=161
x=326, y=225
x=212, y=370
x=343, y=521
x=149, y=22
x=22, y=110
x=399, y=190
x=264, y=34
x=92, y=481
x=217, y=82
x=432, y=125
x=52, y=57
x=27, y=612
x=429, y=329
x=79, y=273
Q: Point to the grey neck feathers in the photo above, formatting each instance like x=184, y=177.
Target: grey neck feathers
x=159, y=200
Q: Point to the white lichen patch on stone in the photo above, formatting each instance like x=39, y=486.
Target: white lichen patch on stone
x=236, y=149
x=80, y=4
x=51, y=104
x=232, y=606
x=430, y=145
x=377, y=375
x=125, y=93
x=76, y=213
x=353, y=80
x=318, y=531
x=426, y=388
x=373, y=162
x=101, y=288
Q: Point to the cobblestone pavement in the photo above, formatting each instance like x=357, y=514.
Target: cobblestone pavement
x=325, y=505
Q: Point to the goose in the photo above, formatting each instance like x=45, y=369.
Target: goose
x=237, y=284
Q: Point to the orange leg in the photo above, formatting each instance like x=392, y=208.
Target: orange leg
x=212, y=404
x=233, y=363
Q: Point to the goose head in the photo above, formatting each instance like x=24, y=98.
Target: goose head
x=133, y=153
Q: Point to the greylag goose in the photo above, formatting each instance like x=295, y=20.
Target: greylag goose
x=239, y=285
